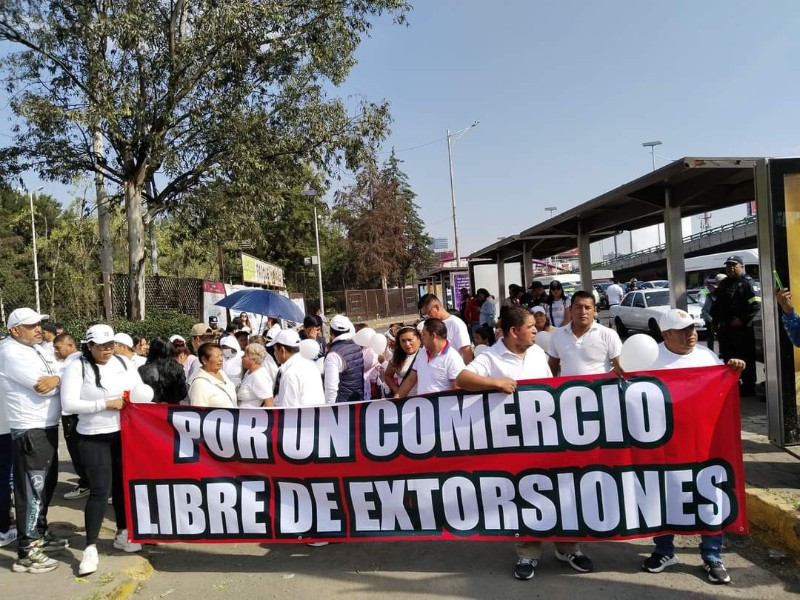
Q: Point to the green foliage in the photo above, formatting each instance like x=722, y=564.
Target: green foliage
x=189, y=94
x=157, y=324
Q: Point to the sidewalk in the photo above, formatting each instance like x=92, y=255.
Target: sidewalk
x=773, y=500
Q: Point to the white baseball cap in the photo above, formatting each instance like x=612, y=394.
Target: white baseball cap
x=341, y=324
x=25, y=316
x=538, y=309
x=230, y=341
x=100, y=334
x=675, y=319
x=272, y=332
x=124, y=339
x=174, y=338
x=286, y=337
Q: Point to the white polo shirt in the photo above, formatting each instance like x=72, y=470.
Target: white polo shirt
x=499, y=361
x=436, y=374
x=300, y=384
x=586, y=355
x=700, y=356
x=457, y=332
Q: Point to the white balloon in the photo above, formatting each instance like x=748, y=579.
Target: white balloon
x=142, y=393
x=639, y=353
x=363, y=337
x=378, y=343
x=543, y=340
x=309, y=349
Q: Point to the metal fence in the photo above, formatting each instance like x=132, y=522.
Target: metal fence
x=182, y=294
x=361, y=305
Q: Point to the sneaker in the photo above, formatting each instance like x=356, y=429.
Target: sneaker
x=77, y=493
x=51, y=543
x=658, y=562
x=716, y=572
x=8, y=537
x=35, y=562
x=577, y=560
x=317, y=544
x=524, y=568
x=89, y=561
x=121, y=542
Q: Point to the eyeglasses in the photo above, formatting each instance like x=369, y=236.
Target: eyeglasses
x=106, y=346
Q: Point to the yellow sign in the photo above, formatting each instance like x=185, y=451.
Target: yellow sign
x=260, y=272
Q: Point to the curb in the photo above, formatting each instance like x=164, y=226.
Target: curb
x=133, y=576
x=773, y=520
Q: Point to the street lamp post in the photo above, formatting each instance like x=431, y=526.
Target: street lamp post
x=550, y=210
x=35, y=254
x=652, y=146
x=313, y=195
x=452, y=187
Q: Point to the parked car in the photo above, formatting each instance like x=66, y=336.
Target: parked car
x=654, y=284
x=641, y=310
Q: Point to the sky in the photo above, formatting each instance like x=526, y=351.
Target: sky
x=565, y=93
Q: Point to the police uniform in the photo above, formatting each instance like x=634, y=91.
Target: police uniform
x=736, y=299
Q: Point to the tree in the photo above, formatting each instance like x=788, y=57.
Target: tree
x=385, y=237
x=185, y=94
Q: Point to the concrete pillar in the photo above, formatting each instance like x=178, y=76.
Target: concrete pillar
x=501, y=280
x=527, y=265
x=676, y=269
x=584, y=258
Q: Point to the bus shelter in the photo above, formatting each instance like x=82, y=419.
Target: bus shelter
x=684, y=188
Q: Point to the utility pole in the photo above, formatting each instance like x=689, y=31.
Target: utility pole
x=452, y=187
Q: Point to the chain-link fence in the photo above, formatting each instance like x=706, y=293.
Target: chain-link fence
x=182, y=294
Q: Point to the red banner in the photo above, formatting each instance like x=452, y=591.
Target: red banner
x=571, y=458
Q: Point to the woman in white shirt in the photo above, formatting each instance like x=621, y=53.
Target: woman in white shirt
x=211, y=387
x=558, y=305
x=257, y=384
x=407, y=346
x=92, y=387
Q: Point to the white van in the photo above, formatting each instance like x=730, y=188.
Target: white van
x=701, y=268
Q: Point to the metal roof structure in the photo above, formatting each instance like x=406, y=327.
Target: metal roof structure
x=694, y=185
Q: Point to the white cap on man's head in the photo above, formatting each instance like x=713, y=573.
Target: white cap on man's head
x=341, y=324
x=675, y=319
x=124, y=339
x=272, y=332
x=25, y=316
x=286, y=337
x=100, y=334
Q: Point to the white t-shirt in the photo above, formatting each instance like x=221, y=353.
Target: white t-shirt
x=233, y=368
x=557, y=310
x=21, y=366
x=81, y=396
x=139, y=360
x=256, y=386
x=499, y=361
x=438, y=373
x=700, y=356
x=614, y=293
x=586, y=355
x=457, y=332
x=301, y=384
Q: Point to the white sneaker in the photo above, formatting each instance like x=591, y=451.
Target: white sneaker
x=121, y=542
x=89, y=561
x=76, y=493
x=8, y=537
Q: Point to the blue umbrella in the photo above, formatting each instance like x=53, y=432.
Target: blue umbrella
x=263, y=302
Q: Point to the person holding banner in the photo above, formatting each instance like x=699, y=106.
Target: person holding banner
x=791, y=322
x=583, y=346
x=93, y=387
x=257, y=384
x=298, y=383
x=405, y=353
x=514, y=358
x=679, y=350
x=437, y=368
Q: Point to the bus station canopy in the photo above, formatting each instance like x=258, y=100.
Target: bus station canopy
x=694, y=185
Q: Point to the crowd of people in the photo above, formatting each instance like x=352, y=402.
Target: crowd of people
x=47, y=377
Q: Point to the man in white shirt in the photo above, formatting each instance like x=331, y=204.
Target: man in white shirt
x=29, y=385
x=679, y=350
x=438, y=364
x=123, y=346
x=457, y=333
x=583, y=346
x=614, y=293
x=299, y=383
x=513, y=358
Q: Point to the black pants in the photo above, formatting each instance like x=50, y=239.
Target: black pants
x=740, y=342
x=69, y=423
x=102, y=457
x=5, y=482
x=35, y=466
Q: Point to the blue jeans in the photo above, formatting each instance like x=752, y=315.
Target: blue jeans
x=710, y=546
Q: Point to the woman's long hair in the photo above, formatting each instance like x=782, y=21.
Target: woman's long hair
x=163, y=373
x=400, y=355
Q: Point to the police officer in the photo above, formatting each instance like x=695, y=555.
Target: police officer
x=732, y=317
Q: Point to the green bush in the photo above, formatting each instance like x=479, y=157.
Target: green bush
x=157, y=324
